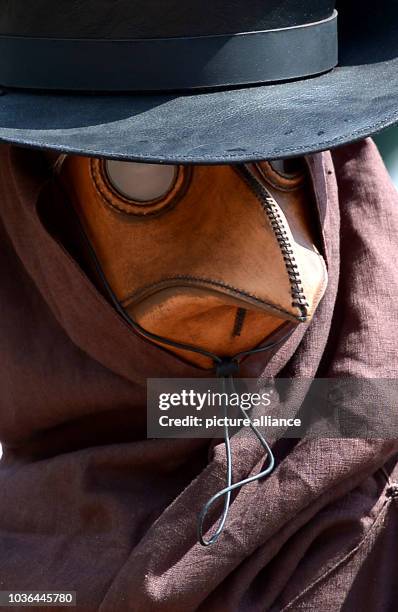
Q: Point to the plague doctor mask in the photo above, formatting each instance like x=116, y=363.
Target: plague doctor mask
x=216, y=259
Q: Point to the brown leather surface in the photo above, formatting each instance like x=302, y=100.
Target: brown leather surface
x=207, y=270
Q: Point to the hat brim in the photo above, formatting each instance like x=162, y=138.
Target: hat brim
x=355, y=100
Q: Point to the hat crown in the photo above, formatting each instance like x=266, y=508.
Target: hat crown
x=154, y=18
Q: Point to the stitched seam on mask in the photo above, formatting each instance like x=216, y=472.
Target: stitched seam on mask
x=197, y=279
x=271, y=209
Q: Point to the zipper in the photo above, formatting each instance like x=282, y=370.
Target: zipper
x=272, y=211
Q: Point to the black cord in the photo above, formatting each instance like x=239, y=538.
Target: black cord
x=237, y=485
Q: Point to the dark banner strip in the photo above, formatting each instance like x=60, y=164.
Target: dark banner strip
x=169, y=64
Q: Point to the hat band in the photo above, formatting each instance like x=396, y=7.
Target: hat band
x=169, y=63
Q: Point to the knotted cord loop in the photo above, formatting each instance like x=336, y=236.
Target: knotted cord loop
x=227, y=491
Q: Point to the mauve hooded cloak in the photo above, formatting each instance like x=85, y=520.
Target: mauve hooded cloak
x=87, y=503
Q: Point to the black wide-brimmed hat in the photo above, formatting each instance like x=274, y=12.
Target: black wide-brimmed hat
x=196, y=82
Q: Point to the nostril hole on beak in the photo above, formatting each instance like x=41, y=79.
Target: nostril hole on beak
x=239, y=322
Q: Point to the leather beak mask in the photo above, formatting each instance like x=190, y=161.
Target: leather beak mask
x=215, y=257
